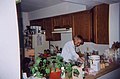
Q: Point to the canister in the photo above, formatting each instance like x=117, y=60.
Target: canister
x=95, y=62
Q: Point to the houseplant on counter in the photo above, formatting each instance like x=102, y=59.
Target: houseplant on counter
x=56, y=64
x=46, y=67
x=51, y=68
x=115, y=47
x=60, y=68
x=41, y=68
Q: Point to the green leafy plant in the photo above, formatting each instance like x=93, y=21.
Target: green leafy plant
x=76, y=72
x=68, y=69
x=40, y=68
x=56, y=62
x=44, y=66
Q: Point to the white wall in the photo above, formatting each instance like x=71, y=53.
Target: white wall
x=65, y=37
x=119, y=21
x=114, y=23
x=92, y=46
x=25, y=20
x=59, y=9
x=9, y=46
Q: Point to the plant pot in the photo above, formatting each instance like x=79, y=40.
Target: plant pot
x=55, y=75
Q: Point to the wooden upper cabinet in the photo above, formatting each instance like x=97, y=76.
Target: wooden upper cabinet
x=48, y=23
x=48, y=26
x=32, y=22
x=62, y=21
x=57, y=22
x=41, y=23
x=100, y=24
x=92, y=24
x=67, y=20
x=37, y=22
x=82, y=24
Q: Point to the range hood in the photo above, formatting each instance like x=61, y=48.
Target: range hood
x=62, y=30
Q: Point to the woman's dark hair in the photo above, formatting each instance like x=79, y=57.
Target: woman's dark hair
x=79, y=37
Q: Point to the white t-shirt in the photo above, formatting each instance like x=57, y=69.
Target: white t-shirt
x=68, y=52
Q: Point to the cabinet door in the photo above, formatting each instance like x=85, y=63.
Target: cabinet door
x=82, y=24
x=41, y=23
x=48, y=26
x=67, y=20
x=38, y=22
x=48, y=23
x=62, y=21
x=34, y=22
x=57, y=22
x=100, y=24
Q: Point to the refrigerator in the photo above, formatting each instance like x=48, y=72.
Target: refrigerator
x=39, y=43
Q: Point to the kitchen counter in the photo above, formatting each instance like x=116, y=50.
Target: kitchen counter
x=104, y=71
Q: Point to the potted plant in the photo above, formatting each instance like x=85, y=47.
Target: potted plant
x=41, y=68
x=56, y=64
x=47, y=67
x=51, y=67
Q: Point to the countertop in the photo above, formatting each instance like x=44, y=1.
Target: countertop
x=104, y=71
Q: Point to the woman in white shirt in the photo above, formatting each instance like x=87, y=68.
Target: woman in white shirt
x=69, y=52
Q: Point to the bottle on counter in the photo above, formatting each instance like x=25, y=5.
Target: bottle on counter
x=86, y=56
x=83, y=71
x=102, y=64
x=62, y=73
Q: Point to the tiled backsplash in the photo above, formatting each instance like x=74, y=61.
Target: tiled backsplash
x=92, y=46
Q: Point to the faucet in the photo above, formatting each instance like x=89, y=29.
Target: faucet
x=52, y=45
x=55, y=48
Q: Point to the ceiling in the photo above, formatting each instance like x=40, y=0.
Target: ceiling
x=31, y=5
